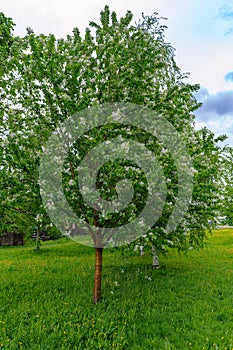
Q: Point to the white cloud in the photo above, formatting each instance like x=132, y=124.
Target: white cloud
x=216, y=113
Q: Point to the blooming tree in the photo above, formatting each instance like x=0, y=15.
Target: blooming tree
x=46, y=80
x=226, y=209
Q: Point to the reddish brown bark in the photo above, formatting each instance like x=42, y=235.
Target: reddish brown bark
x=98, y=259
x=98, y=275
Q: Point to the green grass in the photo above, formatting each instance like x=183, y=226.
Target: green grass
x=45, y=299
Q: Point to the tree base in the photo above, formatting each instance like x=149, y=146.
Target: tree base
x=155, y=267
x=98, y=275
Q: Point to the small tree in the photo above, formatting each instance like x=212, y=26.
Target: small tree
x=226, y=209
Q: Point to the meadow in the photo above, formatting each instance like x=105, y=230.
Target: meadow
x=45, y=298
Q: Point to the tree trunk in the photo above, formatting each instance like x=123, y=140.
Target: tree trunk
x=155, y=258
x=37, y=240
x=98, y=275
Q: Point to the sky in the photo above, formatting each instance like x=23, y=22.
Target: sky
x=201, y=31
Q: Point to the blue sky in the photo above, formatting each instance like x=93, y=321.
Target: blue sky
x=201, y=31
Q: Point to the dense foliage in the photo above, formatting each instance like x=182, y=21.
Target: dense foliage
x=44, y=80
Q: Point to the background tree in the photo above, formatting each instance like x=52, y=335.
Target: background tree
x=49, y=79
x=226, y=210
x=21, y=209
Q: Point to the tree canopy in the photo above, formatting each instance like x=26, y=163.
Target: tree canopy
x=44, y=80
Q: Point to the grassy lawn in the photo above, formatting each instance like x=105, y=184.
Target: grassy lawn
x=45, y=299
